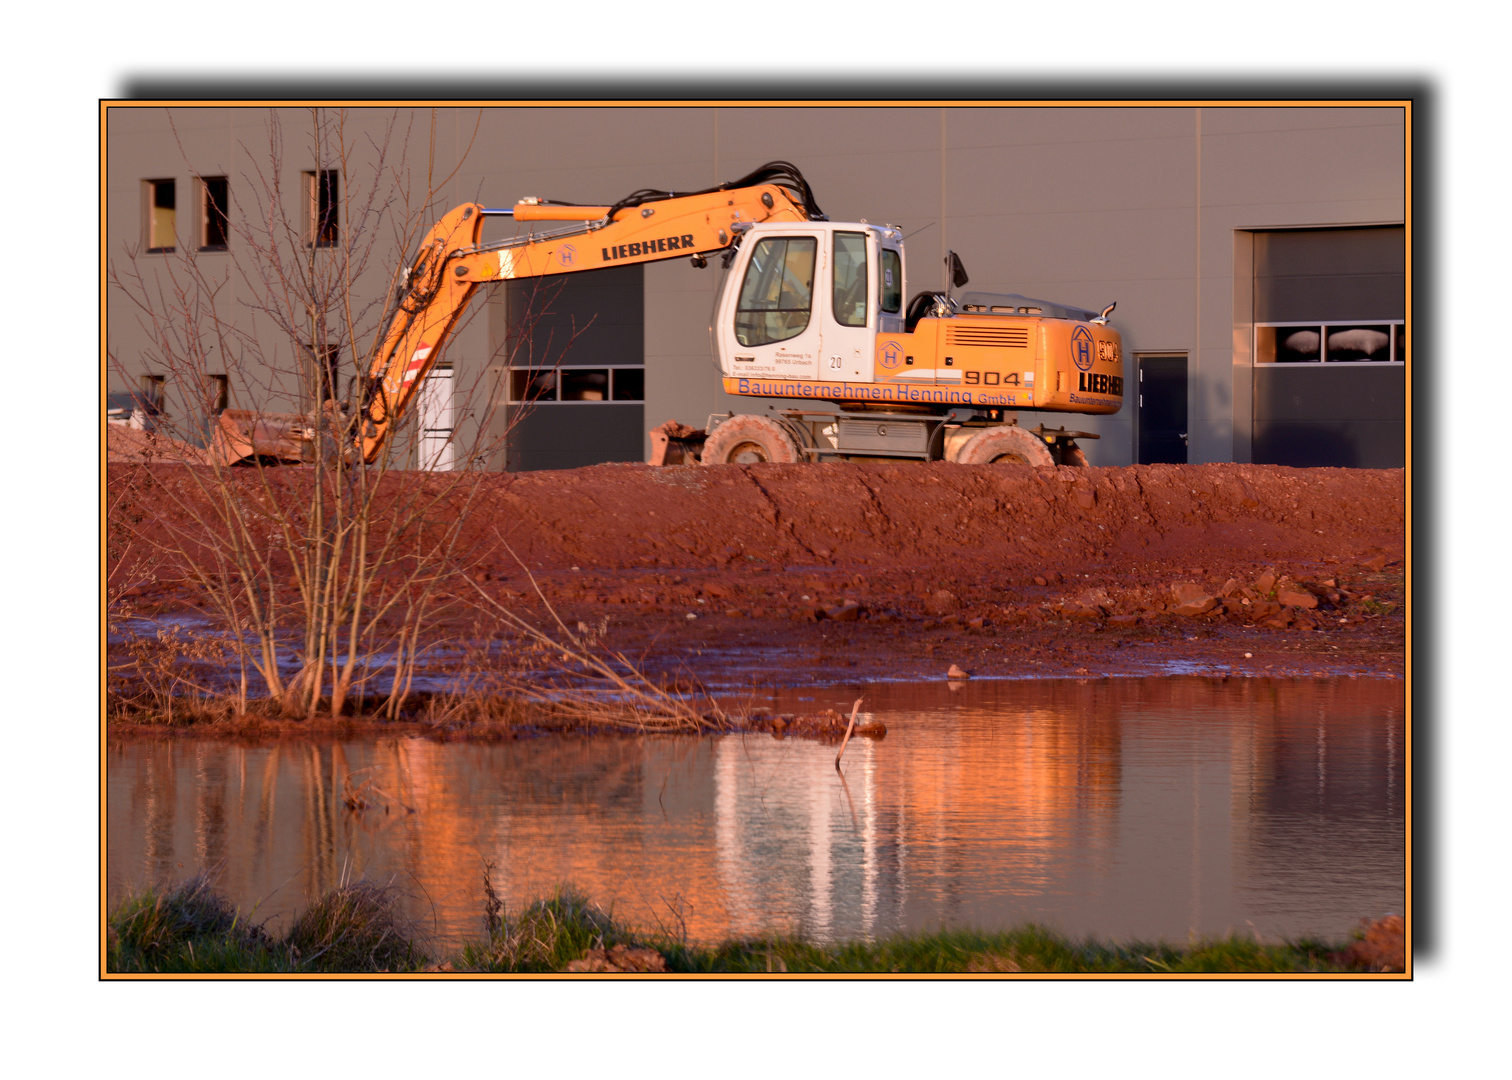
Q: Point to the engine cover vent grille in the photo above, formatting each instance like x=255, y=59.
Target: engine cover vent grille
x=998, y=337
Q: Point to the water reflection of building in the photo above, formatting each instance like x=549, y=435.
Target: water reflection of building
x=798, y=846
x=1129, y=807
x=983, y=793
x=1329, y=753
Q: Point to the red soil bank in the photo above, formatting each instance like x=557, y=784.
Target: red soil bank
x=850, y=572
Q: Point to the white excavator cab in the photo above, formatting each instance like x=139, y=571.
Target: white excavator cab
x=806, y=300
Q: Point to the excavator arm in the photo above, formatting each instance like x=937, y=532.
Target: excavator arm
x=647, y=226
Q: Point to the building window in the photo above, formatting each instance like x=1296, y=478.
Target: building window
x=585, y=384
x=161, y=199
x=214, y=231
x=152, y=393
x=629, y=384
x=219, y=393
x=534, y=386
x=322, y=207
x=1370, y=342
x=326, y=361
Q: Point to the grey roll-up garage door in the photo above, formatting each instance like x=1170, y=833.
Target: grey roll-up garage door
x=1317, y=407
x=575, y=384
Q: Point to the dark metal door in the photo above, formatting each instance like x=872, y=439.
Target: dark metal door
x=1162, y=410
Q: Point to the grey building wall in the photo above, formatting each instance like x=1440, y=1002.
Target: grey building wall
x=1153, y=207
x=249, y=322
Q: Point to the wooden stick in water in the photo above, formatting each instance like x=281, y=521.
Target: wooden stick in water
x=848, y=729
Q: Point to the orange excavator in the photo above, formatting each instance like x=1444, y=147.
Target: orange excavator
x=810, y=309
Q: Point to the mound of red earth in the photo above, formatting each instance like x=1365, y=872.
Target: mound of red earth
x=848, y=572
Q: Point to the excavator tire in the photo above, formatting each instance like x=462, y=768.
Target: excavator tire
x=1072, y=455
x=1009, y=443
x=746, y=440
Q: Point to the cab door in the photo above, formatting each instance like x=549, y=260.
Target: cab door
x=770, y=323
x=849, y=335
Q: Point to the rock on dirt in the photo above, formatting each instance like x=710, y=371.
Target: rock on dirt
x=942, y=602
x=619, y=958
x=1382, y=946
x=1191, y=599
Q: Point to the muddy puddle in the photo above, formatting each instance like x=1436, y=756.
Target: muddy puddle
x=1121, y=808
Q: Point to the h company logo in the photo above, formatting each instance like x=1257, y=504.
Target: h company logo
x=1081, y=348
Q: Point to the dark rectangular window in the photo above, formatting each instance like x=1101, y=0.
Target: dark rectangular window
x=577, y=384
x=219, y=393
x=1333, y=343
x=161, y=202
x=326, y=362
x=526, y=385
x=585, y=384
x=629, y=384
x=153, y=394
x=215, y=232
x=322, y=207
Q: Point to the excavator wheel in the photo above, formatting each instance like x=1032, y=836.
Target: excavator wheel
x=746, y=440
x=1009, y=443
x=1072, y=455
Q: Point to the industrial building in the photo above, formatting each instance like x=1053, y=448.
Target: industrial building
x=1259, y=256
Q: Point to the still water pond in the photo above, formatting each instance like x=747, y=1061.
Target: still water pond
x=1122, y=808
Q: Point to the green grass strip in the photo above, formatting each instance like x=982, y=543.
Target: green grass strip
x=357, y=928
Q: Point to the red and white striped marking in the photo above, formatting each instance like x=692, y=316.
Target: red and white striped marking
x=416, y=362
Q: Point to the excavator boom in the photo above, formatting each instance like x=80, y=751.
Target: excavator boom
x=648, y=226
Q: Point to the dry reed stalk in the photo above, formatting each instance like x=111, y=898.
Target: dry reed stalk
x=650, y=706
x=848, y=729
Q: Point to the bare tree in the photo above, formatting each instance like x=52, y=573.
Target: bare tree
x=325, y=581
x=312, y=572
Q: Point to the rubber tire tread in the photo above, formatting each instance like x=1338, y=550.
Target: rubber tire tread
x=982, y=447
x=774, y=440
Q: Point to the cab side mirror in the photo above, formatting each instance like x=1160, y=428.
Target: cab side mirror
x=956, y=271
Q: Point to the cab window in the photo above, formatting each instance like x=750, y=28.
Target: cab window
x=777, y=293
x=850, y=279
x=892, y=282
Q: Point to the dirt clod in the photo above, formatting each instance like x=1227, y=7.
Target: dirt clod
x=941, y=602
x=619, y=958
x=1382, y=946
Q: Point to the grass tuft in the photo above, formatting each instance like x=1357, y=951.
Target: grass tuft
x=547, y=936
x=355, y=927
x=188, y=928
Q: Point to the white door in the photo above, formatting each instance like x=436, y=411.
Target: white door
x=437, y=412
x=849, y=325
